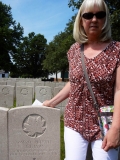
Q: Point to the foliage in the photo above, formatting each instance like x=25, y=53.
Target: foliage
x=10, y=36
x=56, y=57
x=75, y=4
x=114, y=7
x=29, y=56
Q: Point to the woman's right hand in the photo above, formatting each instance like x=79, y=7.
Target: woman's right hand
x=62, y=95
x=48, y=103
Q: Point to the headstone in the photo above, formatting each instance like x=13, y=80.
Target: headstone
x=3, y=134
x=60, y=84
x=34, y=133
x=31, y=84
x=52, y=85
x=24, y=95
x=47, y=83
x=6, y=96
x=12, y=83
x=20, y=83
x=43, y=93
x=39, y=83
x=37, y=79
x=2, y=82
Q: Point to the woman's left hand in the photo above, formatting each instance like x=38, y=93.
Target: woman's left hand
x=112, y=139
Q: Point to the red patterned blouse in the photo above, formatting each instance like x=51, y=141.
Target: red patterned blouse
x=80, y=114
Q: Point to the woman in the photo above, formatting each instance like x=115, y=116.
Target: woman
x=102, y=59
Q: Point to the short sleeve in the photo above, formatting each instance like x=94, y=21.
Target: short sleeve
x=72, y=50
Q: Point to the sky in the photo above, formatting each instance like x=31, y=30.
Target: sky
x=46, y=17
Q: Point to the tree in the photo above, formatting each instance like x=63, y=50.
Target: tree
x=114, y=7
x=56, y=57
x=30, y=55
x=10, y=36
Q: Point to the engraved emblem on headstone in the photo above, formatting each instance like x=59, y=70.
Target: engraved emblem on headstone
x=34, y=125
x=5, y=91
x=24, y=91
x=43, y=91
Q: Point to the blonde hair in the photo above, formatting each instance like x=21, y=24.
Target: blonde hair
x=78, y=30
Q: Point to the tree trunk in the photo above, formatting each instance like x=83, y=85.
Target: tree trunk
x=62, y=74
x=56, y=76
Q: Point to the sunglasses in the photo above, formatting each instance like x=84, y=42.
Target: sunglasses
x=90, y=15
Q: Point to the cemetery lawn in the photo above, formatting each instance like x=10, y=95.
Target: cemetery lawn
x=62, y=148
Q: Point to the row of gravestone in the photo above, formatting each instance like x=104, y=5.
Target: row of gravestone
x=33, y=84
x=29, y=133
x=20, y=79
x=24, y=95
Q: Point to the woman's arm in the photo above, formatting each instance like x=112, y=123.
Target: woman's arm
x=62, y=95
x=112, y=139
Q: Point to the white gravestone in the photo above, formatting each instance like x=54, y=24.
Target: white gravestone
x=24, y=95
x=31, y=84
x=34, y=133
x=60, y=84
x=2, y=82
x=12, y=83
x=43, y=93
x=39, y=83
x=6, y=96
x=47, y=83
x=52, y=85
x=20, y=83
x=3, y=134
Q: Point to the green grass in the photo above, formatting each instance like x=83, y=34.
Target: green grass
x=62, y=148
x=14, y=104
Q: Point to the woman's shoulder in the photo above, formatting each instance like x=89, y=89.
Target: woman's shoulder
x=116, y=44
x=75, y=45
x=113, y=46
x=74, y=48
